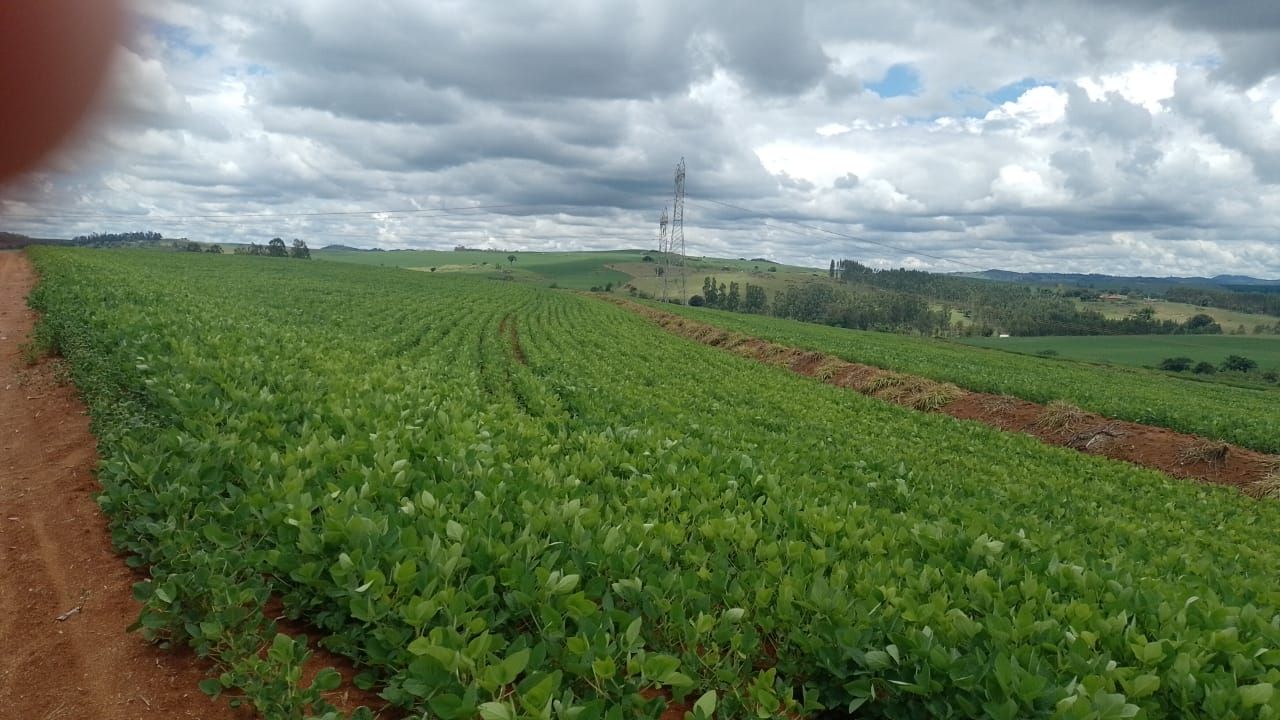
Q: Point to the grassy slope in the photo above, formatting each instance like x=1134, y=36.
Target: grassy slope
x=1228, y=319
x=1240, y=415
x=1145, y=350
x=577, y=270
x=582, y=270
x=644, y=278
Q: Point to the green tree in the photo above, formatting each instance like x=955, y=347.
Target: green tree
x=733, y=300
x=1145, y=315
x=710, y=293
x=1238, y=363
x=755, y=300
x=831, y=272
x=215, y=248
x=276, y=248
x=511, y=259
x=300, y=250
x=1202, y=324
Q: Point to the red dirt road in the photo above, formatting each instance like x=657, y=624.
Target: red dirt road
x=56, y=555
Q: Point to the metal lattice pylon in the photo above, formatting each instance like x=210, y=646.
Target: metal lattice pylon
x=664, y=266
x=677, y=228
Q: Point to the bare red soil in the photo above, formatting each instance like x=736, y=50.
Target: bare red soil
x=1177, y=454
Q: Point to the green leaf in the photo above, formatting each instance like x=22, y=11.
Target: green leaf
x=537, y=691
x=165, y=594
x=659, y=667
x=326, y=680
x=705, y=706
x=282, y=648
x=565, y=585
x=218, y=535
x=604, y=668
x=1144, y=685
x=1260, y=694
x=514, y=664
x=878, y=660
x=496, y=711
x=633, y=631
x=210, y=687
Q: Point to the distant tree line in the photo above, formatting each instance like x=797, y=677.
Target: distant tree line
x=141, y=237
x=276, y=248
x=994, y=307
x=751, y=299
x=1236, y=364
x=190, y=246
x=910, y=301
x=1264, y=301
x=863, y=309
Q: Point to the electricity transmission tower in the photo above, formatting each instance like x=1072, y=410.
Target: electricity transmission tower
x=664, y=266
x=677, y=227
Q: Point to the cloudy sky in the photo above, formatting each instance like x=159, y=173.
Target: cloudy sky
x=1126, y=136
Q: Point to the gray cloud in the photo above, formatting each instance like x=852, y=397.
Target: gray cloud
x=573, y=114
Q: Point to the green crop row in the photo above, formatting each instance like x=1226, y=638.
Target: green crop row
x=1244, y=416
x=614, y=512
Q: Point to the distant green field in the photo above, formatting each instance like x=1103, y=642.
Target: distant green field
x=1242, y=415
x=1230, y=320
x=576, y=270
x=745, y=273
x=580, y=270
x=1145, y=350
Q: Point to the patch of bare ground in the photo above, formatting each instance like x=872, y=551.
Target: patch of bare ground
x=507, y=328
x=1057, y=423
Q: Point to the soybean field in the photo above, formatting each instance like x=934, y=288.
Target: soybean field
x=1246, y=416
x=505, y=501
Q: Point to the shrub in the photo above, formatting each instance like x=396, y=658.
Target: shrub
x=1238, y=363
x=1176, y=364
x=1204, y=368
x=697, y=301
